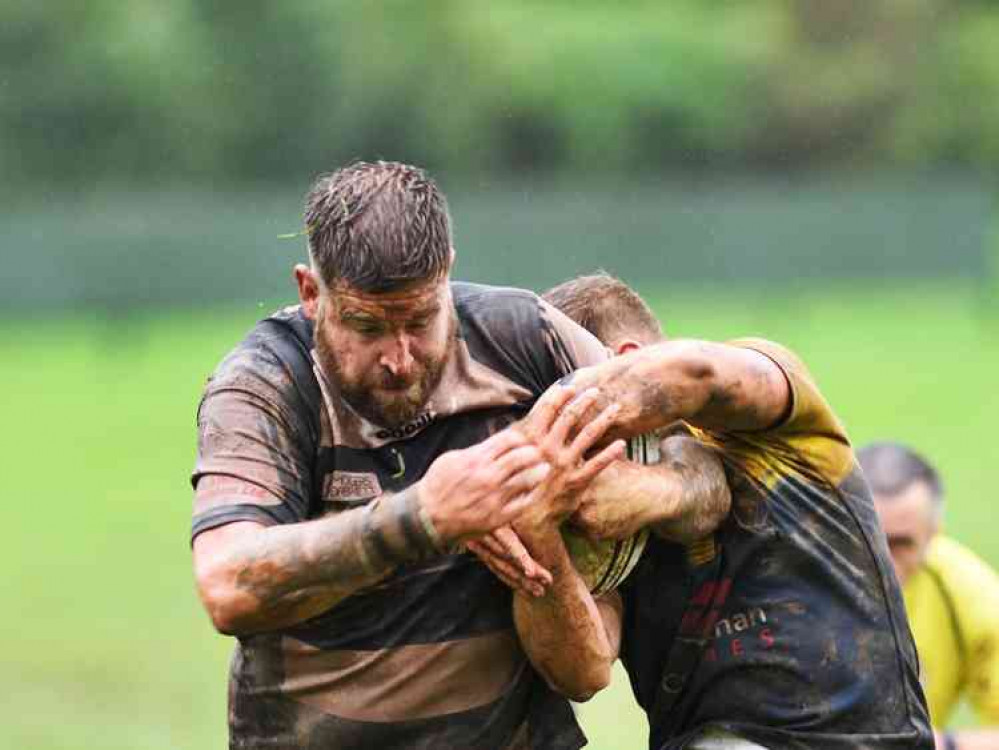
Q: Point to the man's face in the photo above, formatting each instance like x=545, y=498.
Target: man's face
x=910, y=521
x=386, y=352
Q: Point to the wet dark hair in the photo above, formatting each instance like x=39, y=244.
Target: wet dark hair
x=606, y=307
x=378, y=226
x=891, y=468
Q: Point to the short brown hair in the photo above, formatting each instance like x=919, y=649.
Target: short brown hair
x=378, y=226
x=606, y=307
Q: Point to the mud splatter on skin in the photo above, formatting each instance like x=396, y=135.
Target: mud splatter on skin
x=705, y=497
x=300, y=570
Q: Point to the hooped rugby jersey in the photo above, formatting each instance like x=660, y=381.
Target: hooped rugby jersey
x=428, y=657
x=802, y=635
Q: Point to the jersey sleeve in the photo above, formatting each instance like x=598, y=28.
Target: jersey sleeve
x=809, y=425
x=253, y=462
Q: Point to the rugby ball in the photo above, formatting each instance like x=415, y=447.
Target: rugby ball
x=605, y=563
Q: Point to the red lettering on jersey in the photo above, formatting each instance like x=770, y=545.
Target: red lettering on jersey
x=703, y=595
x=767, y=637
x=724, y=587
x=736, y=647
x=710, y=621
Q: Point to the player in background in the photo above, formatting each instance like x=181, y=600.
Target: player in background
x=951, y=594
x=788, y=630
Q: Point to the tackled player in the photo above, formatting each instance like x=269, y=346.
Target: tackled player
x=786, y=629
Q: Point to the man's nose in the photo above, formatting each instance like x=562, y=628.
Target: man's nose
x=398, y=357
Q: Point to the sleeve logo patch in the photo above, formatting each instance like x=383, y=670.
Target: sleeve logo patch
x=341, y=486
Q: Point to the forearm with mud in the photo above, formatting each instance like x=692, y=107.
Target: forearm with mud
x=695, y=381
x=682, y=498
x=282, y=575
x=562, y=631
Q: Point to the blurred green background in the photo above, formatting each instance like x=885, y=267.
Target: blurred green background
x=817, y=173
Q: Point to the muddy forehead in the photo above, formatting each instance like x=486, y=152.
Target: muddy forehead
x=417, y=299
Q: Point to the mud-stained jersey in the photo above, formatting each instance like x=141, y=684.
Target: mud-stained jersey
x=800, y=633
x=428, y=657
x=953, y=605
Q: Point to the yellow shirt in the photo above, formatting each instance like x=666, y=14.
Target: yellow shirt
x=953, y=607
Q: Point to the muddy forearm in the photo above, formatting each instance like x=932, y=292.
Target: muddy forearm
x=563, y=632
x=654, y=386
x=280, y=575
x=708, y=384
x=701, y=496
x=682, y=498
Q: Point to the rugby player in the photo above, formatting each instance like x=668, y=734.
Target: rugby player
x=788, y=630
x=346, y=447
x=951, y=595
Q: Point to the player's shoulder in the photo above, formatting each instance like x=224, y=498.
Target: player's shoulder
x=269, y=351
x=809, y=424
x=270, y=368
x=508, y=330
x=483, y=304
x=785, y=357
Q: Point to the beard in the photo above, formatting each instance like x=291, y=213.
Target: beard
x=380, y=397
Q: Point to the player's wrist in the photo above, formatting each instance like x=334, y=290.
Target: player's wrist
x=436, y=525
x=397, y=529
x=547, y=548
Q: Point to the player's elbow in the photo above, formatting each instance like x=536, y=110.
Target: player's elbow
x=229, y=608
x=595, y=681
x=585, y=681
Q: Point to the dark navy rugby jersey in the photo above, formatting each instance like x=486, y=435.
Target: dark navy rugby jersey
x=805, y=639
x=428, y=657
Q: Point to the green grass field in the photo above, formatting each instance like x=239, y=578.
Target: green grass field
x=102, y=636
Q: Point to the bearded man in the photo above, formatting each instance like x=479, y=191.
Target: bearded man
x=348, y=446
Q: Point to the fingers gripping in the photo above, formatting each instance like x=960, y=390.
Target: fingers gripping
x=599, y=462
x=501, y=443
x=571, y=416
x=548, y=408
x=517, y=552
x=517, y=460
x=593, y=432
x=489, y=544
x=503, y=569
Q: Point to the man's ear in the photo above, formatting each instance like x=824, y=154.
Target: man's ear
x=626, y=345
x=308, y=290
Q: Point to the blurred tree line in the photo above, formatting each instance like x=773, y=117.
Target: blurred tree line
x=246, y=90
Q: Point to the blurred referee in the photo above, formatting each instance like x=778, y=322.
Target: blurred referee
x=951, y=594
